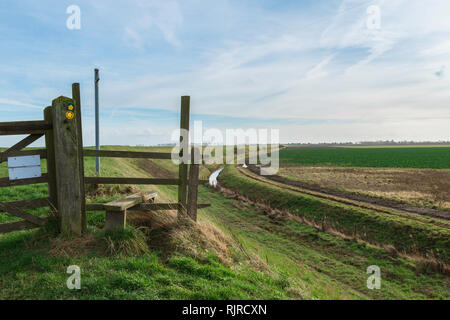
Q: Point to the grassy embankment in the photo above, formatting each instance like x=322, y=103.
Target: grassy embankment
x=406, y=235
x=236, y=251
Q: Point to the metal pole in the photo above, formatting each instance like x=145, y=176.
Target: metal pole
x=97, y=129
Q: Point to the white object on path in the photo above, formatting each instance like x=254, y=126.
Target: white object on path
x=213, y=177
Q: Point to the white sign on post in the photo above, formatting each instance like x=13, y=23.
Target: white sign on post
x=25, y=167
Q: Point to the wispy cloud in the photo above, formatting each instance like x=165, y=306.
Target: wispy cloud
x=19, y=104
x=255, y=60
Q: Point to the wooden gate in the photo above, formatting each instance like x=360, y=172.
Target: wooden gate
x=65, y=169
x=34, y=130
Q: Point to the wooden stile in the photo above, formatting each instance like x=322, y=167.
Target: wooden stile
x=64, y=152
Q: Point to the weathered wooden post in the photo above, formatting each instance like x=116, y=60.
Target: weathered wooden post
x=184, y=145
x=77, y=99
x=51, y=168
x=67, y=164
x=115, y=220
x=193, y=184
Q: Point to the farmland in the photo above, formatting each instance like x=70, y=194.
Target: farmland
x=256, y=241
x=418, y=176
x=376, y=157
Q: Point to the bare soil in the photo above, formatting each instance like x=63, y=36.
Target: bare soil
x=408, y=190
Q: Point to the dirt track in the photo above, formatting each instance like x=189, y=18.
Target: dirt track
x=361, y=201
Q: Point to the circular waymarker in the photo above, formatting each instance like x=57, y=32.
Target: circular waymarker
x=70, y=115
x=70, y=107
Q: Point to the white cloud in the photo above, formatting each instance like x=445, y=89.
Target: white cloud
x=19, y=104
x=318, y=70
x=281, y=64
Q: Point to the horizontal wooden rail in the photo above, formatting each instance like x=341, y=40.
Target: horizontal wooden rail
x=41, y=152
x=94, y=207
x=21, y=214
x=120, y=180
x=28, y=204
x=126, y=154
x=24, y=127
x=5, y=182
x=17, y=226
x=164, y=206
x=150, y=181
x=144, y=206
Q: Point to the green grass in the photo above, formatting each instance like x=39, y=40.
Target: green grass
x=389, y=157
x=32, y=273
x=270, y=258
x=317, y=265
x=401, y=232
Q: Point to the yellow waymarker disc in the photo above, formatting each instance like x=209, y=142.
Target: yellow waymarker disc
x=70, y=107
x=70, y=115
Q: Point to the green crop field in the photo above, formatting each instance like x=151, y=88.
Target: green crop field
x=387, y=157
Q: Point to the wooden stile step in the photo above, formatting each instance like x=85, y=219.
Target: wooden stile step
x=130, y=201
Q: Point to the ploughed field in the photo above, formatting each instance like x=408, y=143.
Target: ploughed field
x=415, y=175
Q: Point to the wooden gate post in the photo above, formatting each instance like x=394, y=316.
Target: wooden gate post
x=67, y=158
x=77, y=99
x=51, y=169
x=193, y=184
x=183, y=167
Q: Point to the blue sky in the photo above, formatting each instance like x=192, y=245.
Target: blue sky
x=312, y=69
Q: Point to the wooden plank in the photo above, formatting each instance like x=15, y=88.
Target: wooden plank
x=124, y=203
x=77, y=99
x=130, y=201
x=146, y=197
x=21, y=214
x=23, y=123
x=163, y=206
x=5, y=182
x=145, y=206
x=41, y=152
x=149, y=196
x=29, y=203
x=184, y=145
x=68, y=184
x=19, y=146
x=120, y=180
x=126, y=154
x=193, y=185
x=24, y=127
x=16, y=226
x=51, y=165
x=24, y=167
x=94, y=207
